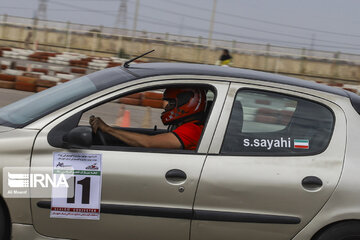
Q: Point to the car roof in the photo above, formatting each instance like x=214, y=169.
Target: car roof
x=110, y=76
x=157, y=69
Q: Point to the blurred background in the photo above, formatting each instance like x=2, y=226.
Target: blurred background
x=323, y=25
x=314, y=40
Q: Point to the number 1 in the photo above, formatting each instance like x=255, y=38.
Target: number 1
x=85, y=198
x=85, y=190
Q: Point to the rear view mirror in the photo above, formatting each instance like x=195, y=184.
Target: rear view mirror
x=79, y=137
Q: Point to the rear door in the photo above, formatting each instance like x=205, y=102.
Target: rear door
x=139, y=197
x=272, y=167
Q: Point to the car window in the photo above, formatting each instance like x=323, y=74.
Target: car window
x=267, y=123
x=26, y=110
x=137, y=112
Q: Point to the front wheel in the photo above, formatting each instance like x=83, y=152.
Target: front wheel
x=5, y=224
x=349, y=230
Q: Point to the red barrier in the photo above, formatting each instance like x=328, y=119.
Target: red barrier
x=7, y=84
x=39, y=89
x=45, y=83
x=153, y=95
x=23, y=86
x=78, y=70
x=23, y=79
x=21, y=68
x=336, y=84
x=152, y=103
x=41, y=70
x=130, y=101
x=351, y=90
x=7, y=77
x=136, y=96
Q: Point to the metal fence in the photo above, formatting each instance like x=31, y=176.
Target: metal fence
x=172, y=39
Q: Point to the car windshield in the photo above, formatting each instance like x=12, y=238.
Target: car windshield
x=26, y=110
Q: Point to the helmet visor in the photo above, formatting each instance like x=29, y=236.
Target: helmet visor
x=170, y=104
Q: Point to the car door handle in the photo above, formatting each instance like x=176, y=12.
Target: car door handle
x=175, y=176
x=312, y=183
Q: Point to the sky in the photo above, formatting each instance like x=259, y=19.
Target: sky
x=328, y=25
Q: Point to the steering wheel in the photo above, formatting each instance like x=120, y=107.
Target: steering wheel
x=101, y=136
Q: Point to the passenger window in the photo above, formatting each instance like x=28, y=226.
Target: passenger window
x=267, y=123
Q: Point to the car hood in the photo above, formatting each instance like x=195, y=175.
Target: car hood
x=5, y=129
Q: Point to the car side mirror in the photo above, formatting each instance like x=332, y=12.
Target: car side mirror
x=79, y=137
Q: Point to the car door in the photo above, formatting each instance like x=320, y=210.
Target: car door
x=272, y=167
x=139, y=199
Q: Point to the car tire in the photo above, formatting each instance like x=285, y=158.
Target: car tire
x=5, y=224
x=349, y=230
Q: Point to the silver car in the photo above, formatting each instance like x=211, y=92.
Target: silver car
x=278, y=159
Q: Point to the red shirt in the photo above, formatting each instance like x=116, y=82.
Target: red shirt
x=189, y=134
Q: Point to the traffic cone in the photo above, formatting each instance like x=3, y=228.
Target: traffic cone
x=120, y=115
x=126, y=119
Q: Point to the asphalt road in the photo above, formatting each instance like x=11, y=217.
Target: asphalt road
x=8, y=96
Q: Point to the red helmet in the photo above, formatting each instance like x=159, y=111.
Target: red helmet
x=182, y=103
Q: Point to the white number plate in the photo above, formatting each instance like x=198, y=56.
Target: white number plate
x=81, y=200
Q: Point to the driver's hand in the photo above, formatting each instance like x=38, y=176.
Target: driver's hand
x=97, y=123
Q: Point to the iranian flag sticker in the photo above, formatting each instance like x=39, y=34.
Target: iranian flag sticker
x=301, y=143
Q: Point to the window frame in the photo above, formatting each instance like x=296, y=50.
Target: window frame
x=110, y=96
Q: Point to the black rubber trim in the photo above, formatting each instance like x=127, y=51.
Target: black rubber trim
x=355, y=101
x=244, y=217
x=147, y=211
x=182, y=143
x=180, y=213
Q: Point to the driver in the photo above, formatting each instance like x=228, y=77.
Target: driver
x=183, y=113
